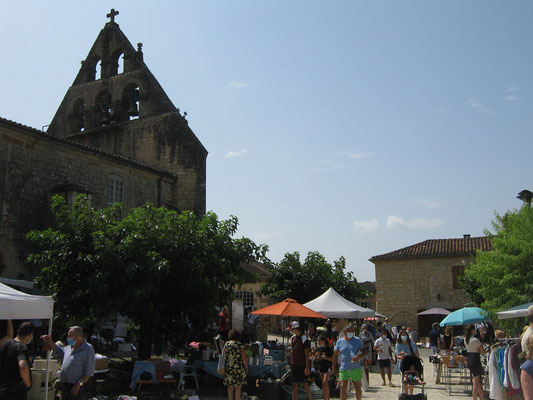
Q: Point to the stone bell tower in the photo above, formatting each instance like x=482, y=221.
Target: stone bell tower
x=115, y=104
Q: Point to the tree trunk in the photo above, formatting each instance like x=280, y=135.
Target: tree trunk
x=145, y=338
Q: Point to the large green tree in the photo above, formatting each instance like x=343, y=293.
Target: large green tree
x=308, y=280
x=159, y=268
x=503, y=278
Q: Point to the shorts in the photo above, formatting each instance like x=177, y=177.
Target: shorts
x=354, y=374
x=384, y=363
x=473, y=362
x=298, y=373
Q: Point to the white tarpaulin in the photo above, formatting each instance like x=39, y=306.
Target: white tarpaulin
x=333, y=305
x=18, y=305
x=515, y=312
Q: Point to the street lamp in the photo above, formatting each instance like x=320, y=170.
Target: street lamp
x=526, y=196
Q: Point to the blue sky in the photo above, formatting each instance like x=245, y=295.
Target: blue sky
x=349, y=127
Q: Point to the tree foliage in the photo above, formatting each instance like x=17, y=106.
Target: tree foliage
x=308, y=280
x=503, y=278
x=154, y=266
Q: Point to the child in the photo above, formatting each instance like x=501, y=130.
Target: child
x=384, y=350
x=410, y=378
x=324, y=354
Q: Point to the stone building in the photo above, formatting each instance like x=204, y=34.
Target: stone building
x=370, y=300
x=116, y=137
x=422, y=276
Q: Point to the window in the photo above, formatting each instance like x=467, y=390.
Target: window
x=247, y=299
x=98, y=74
x=457, y=271
x=115, y=189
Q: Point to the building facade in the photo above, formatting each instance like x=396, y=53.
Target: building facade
x=115, y=137
x=423, y=276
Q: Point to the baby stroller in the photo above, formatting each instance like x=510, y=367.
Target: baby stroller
x=407, y=363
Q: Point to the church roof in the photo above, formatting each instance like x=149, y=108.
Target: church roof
x=466, y=246
x=125, y=160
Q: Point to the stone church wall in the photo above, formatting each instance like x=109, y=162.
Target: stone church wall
x=31, y=166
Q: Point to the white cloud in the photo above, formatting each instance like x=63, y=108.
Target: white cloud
x=267, y=235
x=442, y=110
x=477, y=106
x=352, y=155
x=394, y=222
x=365, y=226
x=428, y=203
x=512, y=94
x=237, y=85
x=231, y=154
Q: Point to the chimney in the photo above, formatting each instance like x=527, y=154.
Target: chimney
x=466, y=236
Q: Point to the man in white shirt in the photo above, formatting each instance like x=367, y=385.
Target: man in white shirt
x=529, y=330
x=384, y=350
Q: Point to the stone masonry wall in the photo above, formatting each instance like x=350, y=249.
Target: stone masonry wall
x=406, y=287
x=30, y=166
x=164, y=141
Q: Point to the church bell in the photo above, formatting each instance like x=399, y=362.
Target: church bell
x=133, y=111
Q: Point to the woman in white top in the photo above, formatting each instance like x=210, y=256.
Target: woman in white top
x=473, y=360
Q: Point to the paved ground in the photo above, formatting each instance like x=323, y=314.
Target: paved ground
x=376, y=391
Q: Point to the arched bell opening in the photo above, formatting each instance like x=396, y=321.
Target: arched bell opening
x=131, y=101
x=78, y=116
x=104, y=108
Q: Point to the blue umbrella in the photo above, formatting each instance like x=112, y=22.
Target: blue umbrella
x=467, y=315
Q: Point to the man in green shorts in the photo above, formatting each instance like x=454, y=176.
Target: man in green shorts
x=350, y=350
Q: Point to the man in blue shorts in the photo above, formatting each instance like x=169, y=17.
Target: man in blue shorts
x=350, y=350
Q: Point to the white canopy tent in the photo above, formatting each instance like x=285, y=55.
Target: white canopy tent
x=19, y=305
x=514, y=312
x=333, y=305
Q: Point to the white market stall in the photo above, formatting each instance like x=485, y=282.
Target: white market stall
x=19, y=305
x=333, y=305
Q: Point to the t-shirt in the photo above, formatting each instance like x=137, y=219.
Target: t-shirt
x=528, y=367
x=299, y=344
x=407, y=348
x=527, y=333
x=448, y=341
x=347, y=350
x=328, y=352
x=433, y=337
x=385, y=345
x=11, y=353
x=473, y=345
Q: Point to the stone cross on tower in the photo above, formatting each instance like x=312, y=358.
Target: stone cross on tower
x=111, y=15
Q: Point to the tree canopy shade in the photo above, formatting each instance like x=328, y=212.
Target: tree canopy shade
x=159, y=268
x=503, y=278
x=308, y=280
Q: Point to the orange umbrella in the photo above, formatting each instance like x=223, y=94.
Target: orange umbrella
x=290, y=308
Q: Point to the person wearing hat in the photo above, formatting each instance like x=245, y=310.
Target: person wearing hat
x=300, y=363
x=349, y=349
x=529, y=330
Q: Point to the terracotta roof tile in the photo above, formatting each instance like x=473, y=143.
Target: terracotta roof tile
x=465, y=246
x=256, y=268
